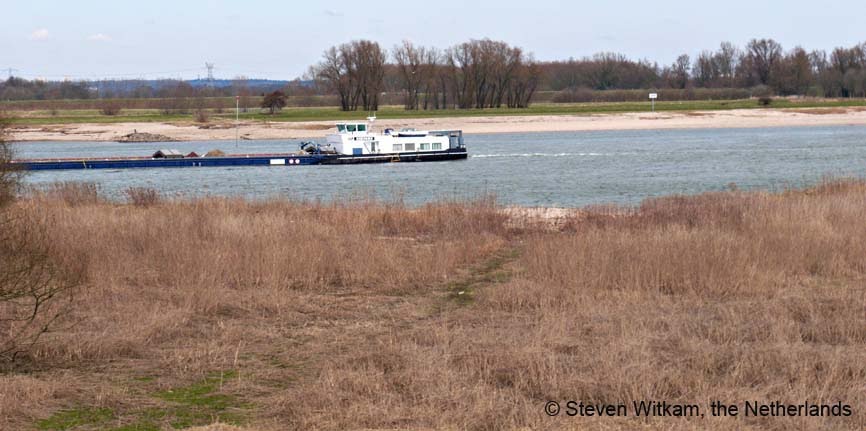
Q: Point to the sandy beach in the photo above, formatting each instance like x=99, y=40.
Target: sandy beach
x=743, y=118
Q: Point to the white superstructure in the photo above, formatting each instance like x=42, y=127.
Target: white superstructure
x=356, y=138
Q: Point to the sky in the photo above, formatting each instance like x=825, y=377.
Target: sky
x=92, y=39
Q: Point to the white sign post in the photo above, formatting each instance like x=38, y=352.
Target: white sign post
x=653, y=97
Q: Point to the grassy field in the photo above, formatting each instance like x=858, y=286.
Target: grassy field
x=66, y=116
x=274, y=315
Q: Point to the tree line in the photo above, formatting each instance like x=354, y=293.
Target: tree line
x=762, y=65
x=486, y=73
x=473, y=74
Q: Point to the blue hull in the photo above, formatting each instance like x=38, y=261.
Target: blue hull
x=251, y=160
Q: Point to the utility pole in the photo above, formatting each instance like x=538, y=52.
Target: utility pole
x=11, y=70
x=209, y=67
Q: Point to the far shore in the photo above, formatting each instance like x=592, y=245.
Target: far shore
x=253, y=130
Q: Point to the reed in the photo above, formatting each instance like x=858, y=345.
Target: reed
x=375, y=315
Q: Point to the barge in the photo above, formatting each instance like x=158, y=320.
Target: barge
x=352, y=143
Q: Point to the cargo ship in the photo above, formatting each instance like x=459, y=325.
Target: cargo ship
x=352, y=143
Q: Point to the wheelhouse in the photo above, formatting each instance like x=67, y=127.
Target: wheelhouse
x=357, y=138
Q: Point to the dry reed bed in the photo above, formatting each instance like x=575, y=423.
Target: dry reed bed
x=726, y=296
x=339, y=317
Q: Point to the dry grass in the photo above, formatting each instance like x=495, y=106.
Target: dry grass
x=369, y=315
x=142, y=196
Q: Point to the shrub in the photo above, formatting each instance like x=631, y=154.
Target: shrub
x=142, y=196
x=110, y=108
x=201, y=116
x=35, y=286
x=71, y=193
x=9, y=176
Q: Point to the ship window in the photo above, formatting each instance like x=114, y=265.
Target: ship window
x=341, y=128
x=398, y=147
x=362, y=127
x=437, y=145
x=424, y=146
x=350, y=127
x=410, y=147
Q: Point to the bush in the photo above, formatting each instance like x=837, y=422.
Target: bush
x=35, y=286
x=110, y=108
x=275, y=101
x=765, y=100
x=142, y=196
x=9, y=175
x=201, y=116
x=71, y=193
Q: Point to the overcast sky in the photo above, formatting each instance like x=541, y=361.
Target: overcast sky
x=279, y=39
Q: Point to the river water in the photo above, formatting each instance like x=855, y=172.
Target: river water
x=562, y=169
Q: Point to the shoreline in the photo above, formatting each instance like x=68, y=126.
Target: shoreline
x=189, y=131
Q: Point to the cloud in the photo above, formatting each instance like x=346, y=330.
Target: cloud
x=99, y=37
x=39, y=34
x=333, y=13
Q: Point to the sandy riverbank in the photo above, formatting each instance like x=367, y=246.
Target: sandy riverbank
x=492, y=124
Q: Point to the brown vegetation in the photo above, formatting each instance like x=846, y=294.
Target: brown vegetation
x=111, y=107
x=35, y=286
x=354, y=71
x=373, y=315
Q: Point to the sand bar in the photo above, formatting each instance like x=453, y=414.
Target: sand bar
x=742, y=118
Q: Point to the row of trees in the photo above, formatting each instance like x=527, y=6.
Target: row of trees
x=487, y=73
x=762, y=63
x=15, y=88
x=474, y=74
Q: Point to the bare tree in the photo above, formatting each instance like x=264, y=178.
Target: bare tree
x=355, y=72
x=762, y=56
x=10, y=177
x=333, y=74
x=460, y=72
x=706, y=70
x=679, y=76
x=369, y=66
x=415, y=67
x=34, y=286
x=524, y=83
x=793, y=73
x=480, y=74
x=726, y=60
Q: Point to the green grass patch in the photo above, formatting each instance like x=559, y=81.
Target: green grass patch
x=141, y=425
x=200, y=404
x=491, y=271
x=72, y=418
